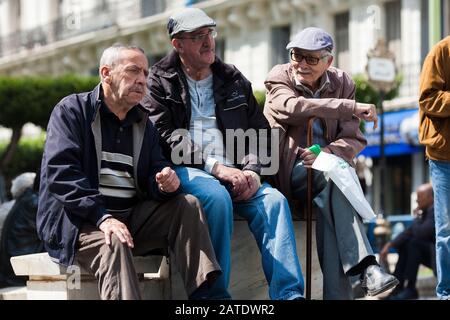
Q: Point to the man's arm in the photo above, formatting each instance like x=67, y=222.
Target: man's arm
x=434, y=98
x=286, y=107
x=349, y=140
x=163, y=181
x=64, y=171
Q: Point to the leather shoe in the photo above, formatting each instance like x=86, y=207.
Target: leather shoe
x=375, y=281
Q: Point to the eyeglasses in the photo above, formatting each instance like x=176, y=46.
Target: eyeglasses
x=312, y=61
x=201, y=37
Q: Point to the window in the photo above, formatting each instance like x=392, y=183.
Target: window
x=445, y=17
x=342, y=42
x=393, y=27
x=424, y=29
x=280, y=37
x=152, y=7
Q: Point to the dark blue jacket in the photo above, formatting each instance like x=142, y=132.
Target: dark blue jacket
x=69, y=195
x=236, y=108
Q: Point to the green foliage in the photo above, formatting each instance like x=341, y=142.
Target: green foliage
x=27, y=157
x=366, y=93
x=31, y=99
x=260, y=96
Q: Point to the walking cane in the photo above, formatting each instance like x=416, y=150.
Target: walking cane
x=309, y=200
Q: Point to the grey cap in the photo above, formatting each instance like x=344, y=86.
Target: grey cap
x=188, y=20
x=312, y=39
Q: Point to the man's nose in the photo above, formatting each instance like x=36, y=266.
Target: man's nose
x=142, y=78
x=207, y=41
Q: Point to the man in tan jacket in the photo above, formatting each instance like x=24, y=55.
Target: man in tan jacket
x=434, y=133
x=309, y=87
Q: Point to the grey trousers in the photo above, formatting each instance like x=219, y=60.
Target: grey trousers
x=340, y=234
x=178, y=223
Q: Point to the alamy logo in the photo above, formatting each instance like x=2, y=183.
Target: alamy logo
x=249, y=146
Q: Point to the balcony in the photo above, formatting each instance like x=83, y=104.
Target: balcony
x=79, y=23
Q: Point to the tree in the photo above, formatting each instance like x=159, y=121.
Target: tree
x=32, y=99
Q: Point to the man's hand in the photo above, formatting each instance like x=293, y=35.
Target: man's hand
x=253, y=182
x=384, y=252
x=233, y=176
x=308, y=157
x=367, y=112
x=113, y=226
x=167, y=180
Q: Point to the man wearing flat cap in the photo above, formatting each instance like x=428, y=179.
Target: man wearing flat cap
x=195, y=101
x=309, y=87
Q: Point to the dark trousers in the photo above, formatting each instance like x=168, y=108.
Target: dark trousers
x=411, y=255
x=179, y=224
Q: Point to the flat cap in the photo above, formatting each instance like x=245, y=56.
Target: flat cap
x=312, y=39
x=188, y=20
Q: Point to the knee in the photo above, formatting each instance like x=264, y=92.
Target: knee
x=276, y=199
x=116, y=245
x=218, y=195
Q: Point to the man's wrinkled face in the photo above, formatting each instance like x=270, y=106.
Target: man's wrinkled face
x=197, y=48
x=310, y=65
x=129, y=77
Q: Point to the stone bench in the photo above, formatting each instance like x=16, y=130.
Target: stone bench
x=48, y=280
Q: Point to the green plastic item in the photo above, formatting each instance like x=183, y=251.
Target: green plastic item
x=315, y=148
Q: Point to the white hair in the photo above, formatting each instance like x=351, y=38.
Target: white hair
x=21, y=183
x=111, y=56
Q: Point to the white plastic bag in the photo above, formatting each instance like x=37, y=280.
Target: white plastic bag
x=345, y=178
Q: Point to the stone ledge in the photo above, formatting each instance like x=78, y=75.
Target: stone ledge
x=13, y=293
x=40, y=264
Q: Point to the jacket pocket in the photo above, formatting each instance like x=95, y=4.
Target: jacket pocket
x=431, y=132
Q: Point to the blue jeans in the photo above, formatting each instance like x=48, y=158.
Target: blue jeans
x=269, y=219
x=440, y=177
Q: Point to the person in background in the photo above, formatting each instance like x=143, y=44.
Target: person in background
x=434, y=134
x=414, y=246
x=18, y=232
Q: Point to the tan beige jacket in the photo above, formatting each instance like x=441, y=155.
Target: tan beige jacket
x=288, y=110
x=434, y=102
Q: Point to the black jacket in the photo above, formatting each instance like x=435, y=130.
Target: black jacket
x=236, y=108
x=422, y=228
x=69, y=194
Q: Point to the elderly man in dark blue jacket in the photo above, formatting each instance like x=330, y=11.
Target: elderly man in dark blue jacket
x=105, y=186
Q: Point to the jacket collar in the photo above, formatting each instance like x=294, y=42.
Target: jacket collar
x=170, y=67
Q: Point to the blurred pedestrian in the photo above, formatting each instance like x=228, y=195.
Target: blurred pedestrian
x=434, y=134
x=415, y=246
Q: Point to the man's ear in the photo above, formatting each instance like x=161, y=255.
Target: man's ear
x=330, y=60
x=105, y=73
x=177, y=44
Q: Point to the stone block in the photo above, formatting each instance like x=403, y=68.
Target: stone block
x=50, y=281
